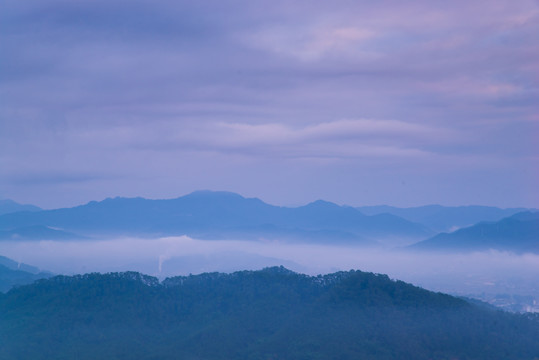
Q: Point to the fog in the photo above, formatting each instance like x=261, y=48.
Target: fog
x=490, y=272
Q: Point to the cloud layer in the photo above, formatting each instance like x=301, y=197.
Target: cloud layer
x=354, y=98
x=490, y=272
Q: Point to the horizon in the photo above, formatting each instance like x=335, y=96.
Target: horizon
x=266, y=202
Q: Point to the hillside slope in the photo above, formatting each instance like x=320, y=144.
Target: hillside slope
x=444, y=218
x=268, y=314
x=518, y=233
x=13, y=274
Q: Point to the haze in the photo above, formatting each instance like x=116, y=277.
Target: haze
x=479, y=273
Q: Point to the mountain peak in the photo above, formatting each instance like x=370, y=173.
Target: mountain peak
x=322, y=204
x=9, y=206
x=213, y=194
x=517, y=233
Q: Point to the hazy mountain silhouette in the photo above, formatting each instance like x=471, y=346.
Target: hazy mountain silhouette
x=216, y=215
x=13, y=274
x=444, y=218
x=37, y=232
x=8, y=206
x=518, y=233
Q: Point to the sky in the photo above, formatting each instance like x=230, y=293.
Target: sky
x=355, y=102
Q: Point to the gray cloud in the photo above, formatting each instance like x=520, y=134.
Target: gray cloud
x=176, y=90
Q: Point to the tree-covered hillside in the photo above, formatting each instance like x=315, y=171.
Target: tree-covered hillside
x=268, y=314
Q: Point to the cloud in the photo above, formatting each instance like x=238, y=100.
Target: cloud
x=171, y=90
x=337, y=139
x=342, y=138
x=313, y=43
x=490, y=271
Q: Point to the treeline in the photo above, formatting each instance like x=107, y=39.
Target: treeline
x=268, y=314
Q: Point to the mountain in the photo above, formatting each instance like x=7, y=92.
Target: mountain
x=444, y=218
x=9, y=206
x=37, y=232
x=14, y=274
x=218, y=215
x=518, y=233
x=268, y=314
x=14, y=265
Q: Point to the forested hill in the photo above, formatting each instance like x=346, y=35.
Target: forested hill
x=268, y=314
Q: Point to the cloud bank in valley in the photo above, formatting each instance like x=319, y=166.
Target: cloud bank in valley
x=490, y=272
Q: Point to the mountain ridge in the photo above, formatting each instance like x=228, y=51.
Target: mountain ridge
x=13, y=273
x=9, y=206
x=518, y=233
x=215, y=214
x=445, y=218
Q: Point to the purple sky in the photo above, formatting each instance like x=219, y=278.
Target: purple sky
x=356, y=102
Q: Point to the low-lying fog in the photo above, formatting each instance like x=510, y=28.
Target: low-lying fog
x=485, y=272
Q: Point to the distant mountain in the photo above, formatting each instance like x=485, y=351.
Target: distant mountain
x=220, y=215
x=9, y=206
x=37, y=232
x=268, y=314
x=518, y=233
x=14, y=265
x=13, y=274
x=444, y=218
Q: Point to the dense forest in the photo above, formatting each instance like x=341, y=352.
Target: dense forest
x=268, y=314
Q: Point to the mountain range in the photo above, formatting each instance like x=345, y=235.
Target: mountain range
x=444, y=218
x=518, y=233
x=219, y=215
x=224, y=215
